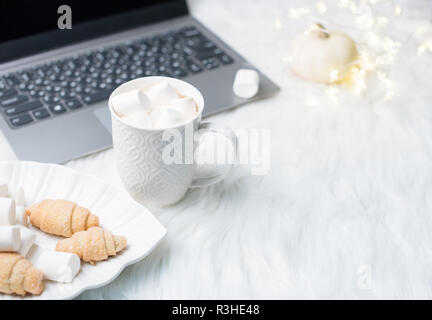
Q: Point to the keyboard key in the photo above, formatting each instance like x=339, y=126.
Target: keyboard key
x=179, y=73
x=205, y=54
x=150, y=72
x=3, y=84
x=66, y=94
x=14, y=100
x=40, y=114
x=26, y=76
x=21, y=120
x=73, y=104
x=205, y=45
x=98, y=96
x=33, y=93
x=210, y=63
x=162, y=69
x=195, y=68
x=103, y=86
x=51, y=99
x=190, y=32
x=57, y=108
x=49, y=89
x=11, y=111
x=187, y=51
x=13, y=80
x=7, y=93
x=226, y=59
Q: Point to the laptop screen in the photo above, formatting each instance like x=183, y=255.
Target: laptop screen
x=30, y=26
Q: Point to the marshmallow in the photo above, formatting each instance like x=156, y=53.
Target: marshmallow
x=130, y=102
x=56, y=266
x=3, y=189
x=246, y=83
x=7, y=211
x=185, y=106
x=28, y=237
x=166, y=117
x=161, y=93
x=10, y=238
x=21, y=216
x=17, y=193
x=139, y=119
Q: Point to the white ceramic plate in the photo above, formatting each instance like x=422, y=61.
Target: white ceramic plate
x=116, y=210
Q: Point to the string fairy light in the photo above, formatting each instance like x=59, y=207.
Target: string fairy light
x=423, y=34
x=297, y=13
x=359, y=79
x=278, y=23
x=382, y=21
x=321, y=7
x=334, y=76
x=389, y=95
x=364, y=21
x=332, y=93
x=426, y=46
x=365, y=61
x=287, y=60
x=344, y=3
x=397, y=10
x=373, y=40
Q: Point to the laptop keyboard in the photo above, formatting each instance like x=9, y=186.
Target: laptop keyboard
x=58, y=87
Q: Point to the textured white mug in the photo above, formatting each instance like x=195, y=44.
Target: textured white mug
x=139, y=152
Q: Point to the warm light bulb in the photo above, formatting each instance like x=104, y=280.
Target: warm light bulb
x=398, y=10
x=321, y=7
x=334, y=75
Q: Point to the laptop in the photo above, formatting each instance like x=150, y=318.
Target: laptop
x=60, y=61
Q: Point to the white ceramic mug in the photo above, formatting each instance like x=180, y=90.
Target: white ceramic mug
x=147, y=177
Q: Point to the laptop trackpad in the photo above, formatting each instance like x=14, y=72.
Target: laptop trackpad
x=104, y=116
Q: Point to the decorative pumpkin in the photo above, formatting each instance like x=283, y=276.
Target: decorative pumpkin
x=323, y=56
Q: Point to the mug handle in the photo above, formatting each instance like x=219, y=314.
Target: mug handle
x=230, y=135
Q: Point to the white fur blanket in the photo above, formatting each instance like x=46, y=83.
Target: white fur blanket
x=346, y=209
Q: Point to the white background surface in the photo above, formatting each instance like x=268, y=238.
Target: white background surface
x=345, y=211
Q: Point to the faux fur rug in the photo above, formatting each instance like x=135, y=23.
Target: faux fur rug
x=346, y=208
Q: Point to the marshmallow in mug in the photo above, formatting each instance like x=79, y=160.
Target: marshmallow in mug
x=139, y=119
x=165, y=117
x=130, y=102
x=159, y=106
x=161, y=93
x=185, y=106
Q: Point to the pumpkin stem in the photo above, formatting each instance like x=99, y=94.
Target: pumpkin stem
x=319, y=30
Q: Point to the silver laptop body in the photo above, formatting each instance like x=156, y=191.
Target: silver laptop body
x=75, y=132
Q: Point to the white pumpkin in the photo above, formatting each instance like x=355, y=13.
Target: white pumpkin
x=323, y=56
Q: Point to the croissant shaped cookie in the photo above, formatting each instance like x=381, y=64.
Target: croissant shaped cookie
x=61, y=217
x=92, y=245
x=18, y=276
